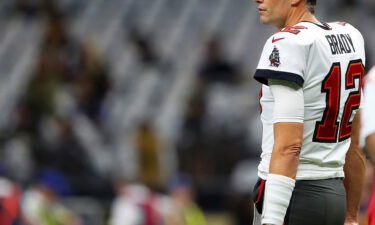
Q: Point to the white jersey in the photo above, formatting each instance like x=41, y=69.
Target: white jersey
x=327, y=61
x=368, y=112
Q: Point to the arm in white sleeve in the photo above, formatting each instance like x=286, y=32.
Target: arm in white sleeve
x=288, y=109
x=289, y=101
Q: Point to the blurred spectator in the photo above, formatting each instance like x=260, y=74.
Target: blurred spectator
x=39, y=98
x=204, y=135
x=42, y=204
x=65, y=147
x=93, y=85
x=215, y=67
x=192, y=132
x=148, y=145
x=67, y=64
x=69, y=79
x=196, y=109
x=183, y=209
x=10, y=194
x=17, y=157
x=135, y=205
x=213, y=130
x=144, y=48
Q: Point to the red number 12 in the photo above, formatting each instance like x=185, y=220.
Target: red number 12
x=329, y=130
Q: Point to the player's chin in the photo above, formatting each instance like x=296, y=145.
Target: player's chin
x=264, y=20
x=268, y=21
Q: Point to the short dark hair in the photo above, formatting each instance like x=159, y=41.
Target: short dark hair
x=311, y=5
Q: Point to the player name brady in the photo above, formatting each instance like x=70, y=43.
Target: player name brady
x=340, y=43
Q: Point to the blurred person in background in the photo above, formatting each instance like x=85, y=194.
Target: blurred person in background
x=304, y=144
x=148, y=145
x=209, y=125
x=368, y=133
x=42, y=203
x=64, y=146
x=135, y=204
x=144, y=47
x=182, y=209
x=92, y=84
x=69, y=78
x=192, y=134
x=10, y=196
x=215, y=67
x=69, y=82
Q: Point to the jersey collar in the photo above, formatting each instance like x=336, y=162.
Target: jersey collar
x=324, y=26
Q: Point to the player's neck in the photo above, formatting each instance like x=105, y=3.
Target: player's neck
x=297, y=15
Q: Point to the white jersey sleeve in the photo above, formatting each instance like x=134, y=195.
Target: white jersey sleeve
x=284, y=110
x=284, y=57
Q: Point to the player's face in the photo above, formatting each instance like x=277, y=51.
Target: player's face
x=274, y=12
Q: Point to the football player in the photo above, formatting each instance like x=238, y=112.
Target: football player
x=311, y=73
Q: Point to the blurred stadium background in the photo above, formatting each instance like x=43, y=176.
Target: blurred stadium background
x=130, y=112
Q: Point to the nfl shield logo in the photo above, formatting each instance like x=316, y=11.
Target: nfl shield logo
x=275, y=57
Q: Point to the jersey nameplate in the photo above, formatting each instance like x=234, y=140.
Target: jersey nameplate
x=340, y=43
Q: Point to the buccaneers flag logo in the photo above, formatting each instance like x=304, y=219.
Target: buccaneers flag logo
x=275, y=57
